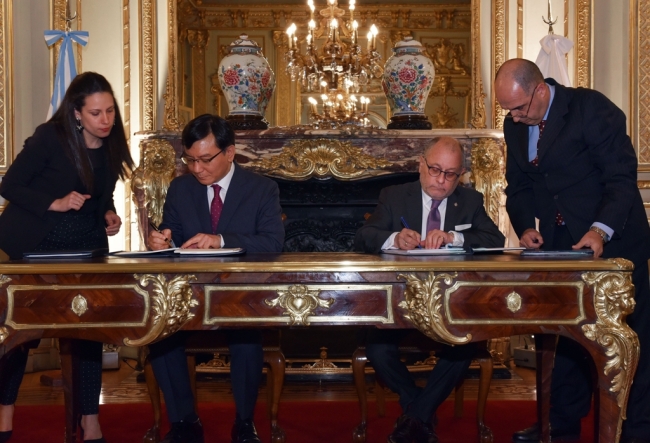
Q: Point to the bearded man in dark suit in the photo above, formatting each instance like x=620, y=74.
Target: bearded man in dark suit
x=217, y=205
x=572, y=166
x=443, y=214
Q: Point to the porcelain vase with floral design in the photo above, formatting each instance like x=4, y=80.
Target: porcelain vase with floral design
x=408, y=77
x=246, y=78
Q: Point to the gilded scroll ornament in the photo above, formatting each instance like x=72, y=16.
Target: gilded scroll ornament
x=613, y=301
x=299, y=302
x=488, y=175
x=4, y=280
x=151, y=179
x=321, y=158
x=79, y=305
x=4, y=333
x=513, y=302
x=172, y=303
x=424, y=300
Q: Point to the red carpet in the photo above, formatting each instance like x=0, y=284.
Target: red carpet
x=303, y=422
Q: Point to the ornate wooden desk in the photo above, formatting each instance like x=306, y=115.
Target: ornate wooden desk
x=454, y=300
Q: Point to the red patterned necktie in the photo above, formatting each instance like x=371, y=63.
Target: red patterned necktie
x=433, y=220
x=215, y=208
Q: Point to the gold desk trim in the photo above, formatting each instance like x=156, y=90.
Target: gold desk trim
x=285, y=318
x=295, y=262
x=23, y=326
x=579, y=286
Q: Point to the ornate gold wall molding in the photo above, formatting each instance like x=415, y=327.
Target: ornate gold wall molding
x=148, y=63
x=479, y=119
x=6, y=98
x=639, y=86
x=198, y=40
x=583, y=44
x=498, y=55
x=172, y=122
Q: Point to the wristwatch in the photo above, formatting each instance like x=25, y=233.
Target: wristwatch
x=600, y=232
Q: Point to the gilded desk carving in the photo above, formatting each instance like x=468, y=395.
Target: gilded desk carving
x=613, y=301
x=299, y=302
x=424, y=301
x=172, y=303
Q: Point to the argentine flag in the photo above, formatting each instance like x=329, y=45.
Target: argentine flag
x=66, y=68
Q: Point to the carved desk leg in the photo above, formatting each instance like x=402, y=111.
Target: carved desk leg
x=359, y=361
x=615, y=347
x=69, y=370
x=544, y=354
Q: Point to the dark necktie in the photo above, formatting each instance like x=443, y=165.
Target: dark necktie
x=215, y=208
x=541, y=125
x=559, y=220
x=433, y=220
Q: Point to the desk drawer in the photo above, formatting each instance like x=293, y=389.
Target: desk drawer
x=75, y=306
x=298, y=304
x=515, y=302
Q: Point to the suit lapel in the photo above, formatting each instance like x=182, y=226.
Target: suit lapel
x=233, y=198
x=451, y=213
x=521, y=134
x=201, y=207
x=555, y=121
x=413, y=203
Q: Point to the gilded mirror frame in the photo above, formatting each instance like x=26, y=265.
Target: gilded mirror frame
x=497, y=54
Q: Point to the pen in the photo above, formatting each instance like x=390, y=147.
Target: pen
x=406, y=225
x=155, y=228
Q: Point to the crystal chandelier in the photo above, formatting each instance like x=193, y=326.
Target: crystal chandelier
x=338, y=71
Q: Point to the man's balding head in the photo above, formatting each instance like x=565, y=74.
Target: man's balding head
x=521, y=72
x=520, y=88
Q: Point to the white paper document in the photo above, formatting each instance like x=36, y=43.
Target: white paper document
x=417, y=251
x=209, y=252
x=164, y=252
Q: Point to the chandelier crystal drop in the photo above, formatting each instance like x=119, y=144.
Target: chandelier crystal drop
x=337, y=72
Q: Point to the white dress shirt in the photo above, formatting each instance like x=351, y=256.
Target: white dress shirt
x=459, y=239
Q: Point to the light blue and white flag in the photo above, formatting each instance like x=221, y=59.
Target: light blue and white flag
x=66, y=68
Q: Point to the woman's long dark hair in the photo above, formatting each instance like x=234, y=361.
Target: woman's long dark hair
x=117, y=149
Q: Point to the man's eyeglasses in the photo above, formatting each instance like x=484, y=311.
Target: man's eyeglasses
x=435, y=172
x=518, y=109
x=191, y=161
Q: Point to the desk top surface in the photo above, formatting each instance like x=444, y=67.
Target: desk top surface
x=311, y=262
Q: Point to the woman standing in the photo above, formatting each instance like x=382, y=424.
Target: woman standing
x=60, y=194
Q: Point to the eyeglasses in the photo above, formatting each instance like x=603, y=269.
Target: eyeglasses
x=519, y=108
x=191, y=161
x=435, y=172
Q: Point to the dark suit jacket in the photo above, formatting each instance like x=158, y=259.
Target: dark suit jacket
x=251, y=217
x=587, y=170
x=464, y=207
x=40, y=174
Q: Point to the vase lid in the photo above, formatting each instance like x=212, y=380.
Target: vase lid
x=408, y=42
x=244, y=44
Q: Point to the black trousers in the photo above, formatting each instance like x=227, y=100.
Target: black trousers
x=169, y=364
x=571, y=385
x=90, y=372
x=382, y=351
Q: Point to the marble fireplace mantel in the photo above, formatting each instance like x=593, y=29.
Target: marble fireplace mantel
x=292, y=155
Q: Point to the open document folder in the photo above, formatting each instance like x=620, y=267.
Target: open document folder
x=178, y=252
x=418, y=251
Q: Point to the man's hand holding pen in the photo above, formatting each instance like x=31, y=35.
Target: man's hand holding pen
x=160, y=239
x=407, y=239
x=531, y=239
